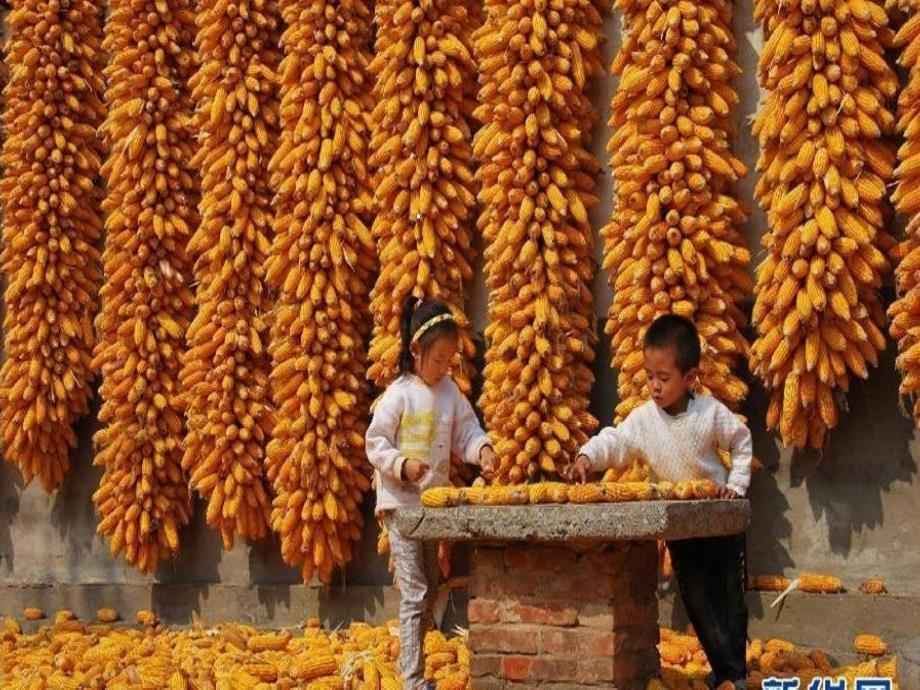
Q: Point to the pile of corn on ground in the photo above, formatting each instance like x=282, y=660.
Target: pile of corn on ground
x=73, y=654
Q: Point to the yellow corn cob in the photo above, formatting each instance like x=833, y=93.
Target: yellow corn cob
x=820, y=584
x=823, y=163
x=421, y=155
x=673, y=243
x=106, y=615
x=143, y=497
x=224, y=378
x=147, y=617
x=52, y=224
x=440, y=497
x=537, y=180
x=902, y=313
x=873, y=586
x=768, y=583
x=321, y=263
x=32, y=613
x=872, y=645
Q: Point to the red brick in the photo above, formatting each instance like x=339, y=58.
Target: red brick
x=639, y=637
x=591, y=616
x=483, y=610
x=598, y=671
x=546, y=668
x=489, y=557
x=502, y=587
x=485, y=665
x=635, y=666
x=516, y=639
x=581, y=642
x=540, y=559
x=517, y=612
x=636, y=613
x=516, y=667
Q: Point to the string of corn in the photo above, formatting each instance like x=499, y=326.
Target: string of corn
x=225, y=370
x=535, y=59
x=321, y=264
x=143, y=496
x=421, y=154
x=51, y=230
x=905, y=311
x=673, y=244
x=824, y=169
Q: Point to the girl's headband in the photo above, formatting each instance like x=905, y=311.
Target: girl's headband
x=430, y=323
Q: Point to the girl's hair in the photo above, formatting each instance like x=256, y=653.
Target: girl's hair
x=415, y=314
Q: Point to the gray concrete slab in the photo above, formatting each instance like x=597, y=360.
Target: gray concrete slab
x=641, y=520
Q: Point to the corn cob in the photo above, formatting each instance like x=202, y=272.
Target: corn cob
x=147, y=618
x=824, y=169
x=33, y=613
x=537, y=182
x=321, y=264
x=673, y=244
x=820, y=584
x=768, y=583
x=903, y=313
x=50, y=230
x=872, y=645
x=557, y=492
x=143, y=496
x=873, y=586
x=424, y=94
x=107, y=615
x=225, y=369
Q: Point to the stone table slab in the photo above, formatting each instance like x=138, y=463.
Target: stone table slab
x=605, y=522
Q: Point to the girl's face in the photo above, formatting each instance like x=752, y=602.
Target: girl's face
x=667, y=384
x=434, y=364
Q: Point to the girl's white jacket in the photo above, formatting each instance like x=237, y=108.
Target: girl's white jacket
x=414, y=420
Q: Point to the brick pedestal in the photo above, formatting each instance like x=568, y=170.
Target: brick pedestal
x=561, y=617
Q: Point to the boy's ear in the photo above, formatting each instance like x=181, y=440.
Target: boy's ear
x=414, y=348
x=693, y=376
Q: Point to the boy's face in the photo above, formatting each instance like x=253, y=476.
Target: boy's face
x=667, y=384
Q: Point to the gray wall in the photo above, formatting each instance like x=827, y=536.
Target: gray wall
x=853, y=510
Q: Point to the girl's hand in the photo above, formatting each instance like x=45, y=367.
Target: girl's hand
x=413, y=470
x=577, y=471
x=725, y=492
x=488, y=462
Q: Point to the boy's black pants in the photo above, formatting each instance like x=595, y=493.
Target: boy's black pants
x=711, y=575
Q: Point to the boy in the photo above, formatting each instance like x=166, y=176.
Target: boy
x=679, y=433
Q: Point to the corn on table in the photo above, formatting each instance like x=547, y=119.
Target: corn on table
x=564, y=596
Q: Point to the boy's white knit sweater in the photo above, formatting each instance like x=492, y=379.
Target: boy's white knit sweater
x=427, y=423
x=678, y=447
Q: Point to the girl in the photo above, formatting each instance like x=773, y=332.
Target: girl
x=421, y=418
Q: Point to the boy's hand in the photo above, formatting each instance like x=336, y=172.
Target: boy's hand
x=488, y=463
x=578, y=470
x=413, y=470
x=725, y=492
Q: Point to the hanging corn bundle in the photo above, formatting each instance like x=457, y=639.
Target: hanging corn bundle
x=51, y=229
x=322, y=264
x=824, y=168
x=537, y=181
x=143, y=497
x=225, y=371
x=905, y=312
x=673, y=245
x=421, y=156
